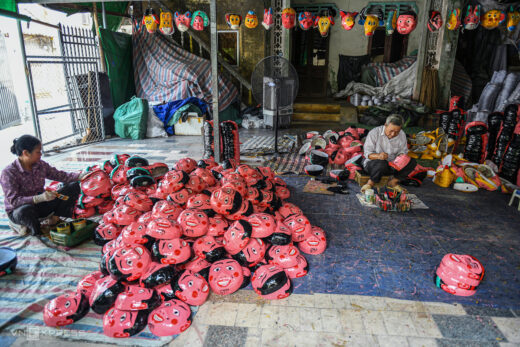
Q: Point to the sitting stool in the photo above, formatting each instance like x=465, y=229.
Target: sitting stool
x=516, y=194
x=362, y=178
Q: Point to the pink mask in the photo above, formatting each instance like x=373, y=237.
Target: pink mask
x=199, y=202
x=271, y=282
x=191, y=288
x=196, y=184
x=217, y=226
x=299, y=225
x=84, y=212
x=173, y=181
x=194, y=223
x=118, y=175
x=226, y=201
x=283, y=256
x=182, y=21
x=314, y=242
x=134, y=233
x=181, y=197
x=288, y=209
x=65, y=309
x=174, y=251
x=106, y=232
x=465, y=265
x=237, y=236
x=166, y=209
x=406, y=23
x=263, y=225
x=157, y=274
x=267, y=172
x=472, y=19
x=300, y=269
x=282, y=234
x=205, y=175
x=207, y=248
x=136, y=298
x=104, y=294
x=105, y=206
x=125, y=215
x=238, y=185
x=139, y=201
x=288, y=18
x=145, y=218
x=254, y=195
x=245, y=210
x=171, y=318
x=129, y=262
x=122, y=324
x=305, y=20
x=186, y=164
x=163, y=229
x=283, y=193
x=198, y=265
x=96, y=183
x=348, y=19
x=252, y=254
x=268, y=18
x=86, y=285
x=225, y=276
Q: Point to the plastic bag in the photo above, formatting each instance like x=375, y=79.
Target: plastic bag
x=155, y=127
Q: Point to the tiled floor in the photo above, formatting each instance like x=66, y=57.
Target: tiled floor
x=244, y=319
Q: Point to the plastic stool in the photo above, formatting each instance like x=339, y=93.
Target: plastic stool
x=516, y=194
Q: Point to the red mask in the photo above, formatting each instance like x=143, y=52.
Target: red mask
x=282, y=234
x=65, y=309
x=166, y=209
x=300, y=269
x=136, y=298
x=191, y=288
x=104, y=294
x=299, y=225
x=186, y=164
x=86, y=285
x=145, y=218
x=96, y=183
x=237, y=236
x=217, y=226
x=198, y=265
x=138, y=200
x=164, y=229
x=205, y=175
x=252, y=254
x=305, y=20
x=122, y=324
x=288, y=209
x=129, y=262
x=406, y=23
x=105, y=206
x=239, y=185
x=173, y=181
x=199, y=202
x=171, y=318
x=106, y=232
x=314, y=242
x=118, y=175
x=271, y=282
x=181, y=197
x=263, y=225
x=267, y=172
x=134, y=234
x=268, y=18
x=157, y=274
x=226, y=201
x=225, y=276
x=207, y=248
x=174, y=251
x=435, y=22
x=182, y=21
x=283, y=193
x=283, y=256
x=194, y=223
x=196, y=184
x=288, y=18
x=125, y=215
x=254, y=195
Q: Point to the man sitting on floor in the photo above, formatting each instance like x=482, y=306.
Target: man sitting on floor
x=382, y=145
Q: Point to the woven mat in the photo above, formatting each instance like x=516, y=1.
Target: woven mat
x=265, y=144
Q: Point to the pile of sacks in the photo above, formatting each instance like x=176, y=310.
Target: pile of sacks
x=459, y=274
x=198, y=227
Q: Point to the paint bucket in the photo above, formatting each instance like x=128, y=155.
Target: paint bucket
x=79, y=223
x=370, y=196
x=63, y=228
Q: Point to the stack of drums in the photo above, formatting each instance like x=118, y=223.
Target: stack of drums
x=459, y=274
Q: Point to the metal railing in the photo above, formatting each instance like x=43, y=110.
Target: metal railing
x=9, y=113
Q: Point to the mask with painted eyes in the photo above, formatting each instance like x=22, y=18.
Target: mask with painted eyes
x=163, y=229
x=267, y=197
x=454, y=21
x=87, y=283
x=283, y=256
x=135, y=234
x=282, y=235
x=182, y=21
x=283, y=192
x=122, y=324
x=472, y=19
x=288, y=18
x=263, y=225
x=194, y=223
x=251, y=21
x=324, y=24
x=491, y=19
x=173, y=180
x=145, y=218
x=254, y=195
x=299, y=270
x=196, y=184
x=129, y=262
x=260, y=209
x=271, y=282
x=252, y=254
x=348, y=19
x=435, y=22
x=205, y=175
x=65, y=309
x=157, y=274
x=217, y=226
x=186, y=164
x=288, y=209
x=245, y=210
x=171, y=318
x=226, y=201
x=233, y=20
x=104, y=294
x=299, y=225
x=118, y=175
x=238, y=185
x=315, y=242
x=136, y=298
x=237, y=236
x=105, y=206
x=174, y=251
x=268, y=18
x=207, y=248
x=96, y=183
x=513, y=18
x=191, y=288
x=105, y=233
x=139, y=201
x=166, y=209
x=200, y=202
x=225, y=276
x=406, y=22
x=267, y=172
x=198, y=265
x=305, y=20
x=125, y=215
x=180, y=197
x=370, y=24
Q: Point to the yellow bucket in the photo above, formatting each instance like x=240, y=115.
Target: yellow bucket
x=63, y=228
x=79, y=223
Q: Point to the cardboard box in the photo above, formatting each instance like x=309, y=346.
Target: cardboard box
x=192, y=126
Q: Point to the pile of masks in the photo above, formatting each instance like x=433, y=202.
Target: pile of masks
x=459, y=274
x=229, y=140
x=341, y=149
x=199, y=227
x=505, y=151
x=428, y=144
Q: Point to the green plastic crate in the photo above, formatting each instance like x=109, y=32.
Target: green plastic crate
x=76, y=237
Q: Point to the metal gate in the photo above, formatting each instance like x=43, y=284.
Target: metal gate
x=9, y=114
x=66, y=93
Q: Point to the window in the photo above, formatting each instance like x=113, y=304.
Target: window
x=228, y=46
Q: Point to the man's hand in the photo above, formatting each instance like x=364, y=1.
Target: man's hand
x=45, y=196
x=382, y=156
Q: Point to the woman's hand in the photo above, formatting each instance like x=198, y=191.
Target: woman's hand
x=47, y=195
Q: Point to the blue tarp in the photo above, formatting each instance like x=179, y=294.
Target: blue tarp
x=166, y=112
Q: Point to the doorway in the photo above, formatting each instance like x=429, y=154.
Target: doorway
x=391, y=47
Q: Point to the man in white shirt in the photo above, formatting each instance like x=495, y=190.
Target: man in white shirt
x=382, y=145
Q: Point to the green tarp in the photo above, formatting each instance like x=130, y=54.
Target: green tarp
x=8, y=5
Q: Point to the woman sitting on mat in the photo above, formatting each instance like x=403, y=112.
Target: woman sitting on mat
x=382, y=146
x=23, y=182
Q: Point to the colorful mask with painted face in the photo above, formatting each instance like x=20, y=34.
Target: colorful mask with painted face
x=105, y=294
x=207, y=248
x=166, y=209
x=134, y=234
x=150, y=20
x=472, y=19
x=305, y=20
x=206, y=176
x=191, y=288
x=370, y=24
x=196, y=184
x=288, y=18
x=288, y=209
x=125, y=215
x=96, y=183
x=198, y=265
x=199, y=202
x=173, y=181
x=136, y=298
x=283, y=256
x=237, y=236
x=315, y=242
x=86, y=285
x=406, y=22
x=122, y=324
x=106, y=232
x=391, y=22
x=145, y=218
x=268, y=18
x=454, y=21
x=435, y=22
x=491, y=19
x=166, y=23
x=271, y=282
x=513, y=18
x=226, y=201
x=233, y=20
x=217, y=225
x=281, y=236
x=138, y=200
x=194, y=223
x=181, y=197
x=348, y=19
x=173, y=251
x=157, y=274
x=225, y=276
x=300, y=269
x=252, y=254
x=65, y=309
x=263, y=225
x=182, y=21
x=199, y=21
x=236, y=184
x=171, y=318
x=163, y=229
x=251, y=21
x=299, y=225
x=324, y=24
x=129, y=262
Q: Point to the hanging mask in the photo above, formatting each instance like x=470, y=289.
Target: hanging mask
x=263, y=225
x=194, y=223
x=513, y=18
x=65, y=309
x=233, y=20
x=104, y=294
x=157, y=274
x=122, y=324
x=288, y=18
x=207, y=248
x=237, y=236
x=171, y=318
x=391, y=22
x=166, y=209
x=182, y=21
x=370, y=24
x=305, y=20
x=271, y=282
x=268, y=18
x=472, y=19
x=174, y=251
x=225, y=276
x=491, y=19
x=283, y=256
x=435, y=22
x=165, y=26
x=129, y=262
x=406, y=22
x=251, y=21
x=150, y=21
x=252, y=254
x=199, y=21
x=86, y=284
x=163, y=229
x=315, y=242
x=300, y=269
x=299, y=225
x=191, y=288
x=136, y=298
x=324, y=24
x=348, y=19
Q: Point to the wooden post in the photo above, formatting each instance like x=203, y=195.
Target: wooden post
x=214, y=78
x=96, y=25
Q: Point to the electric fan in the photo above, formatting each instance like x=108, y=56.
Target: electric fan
x=274, y=82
